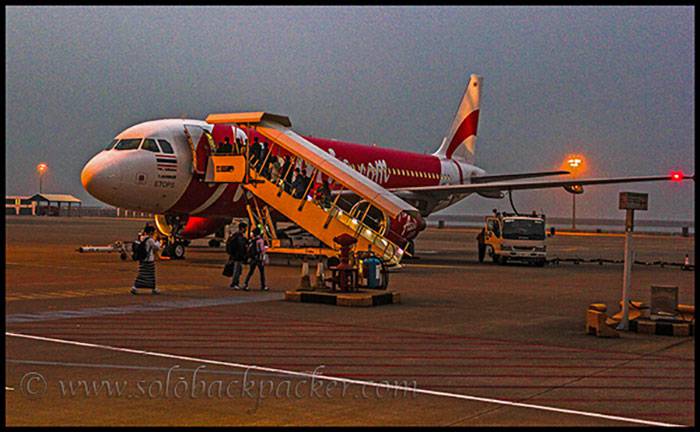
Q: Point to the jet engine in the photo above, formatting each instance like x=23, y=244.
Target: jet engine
x=574, y=189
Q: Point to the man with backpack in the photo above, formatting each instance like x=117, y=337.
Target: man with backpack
x=236, y=249
x=144, y=249
x=257, y=258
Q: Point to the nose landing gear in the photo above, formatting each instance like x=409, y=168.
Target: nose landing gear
x=175, y=249
x=170, y=227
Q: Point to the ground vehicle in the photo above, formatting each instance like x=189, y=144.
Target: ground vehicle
x=513, y=237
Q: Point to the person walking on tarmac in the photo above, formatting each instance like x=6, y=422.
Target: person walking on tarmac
x=145, y=254
x=258, y=257
x=236, y=249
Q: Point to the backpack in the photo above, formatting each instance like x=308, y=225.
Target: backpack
x=236, y=247
x=139, y=252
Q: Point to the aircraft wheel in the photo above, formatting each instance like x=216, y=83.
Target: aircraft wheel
x=496, y=259
x=177, y=251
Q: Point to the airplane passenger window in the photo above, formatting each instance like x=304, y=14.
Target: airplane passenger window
x=167, y=148
x=150, y=145
x=109, y=147
x=128, y=144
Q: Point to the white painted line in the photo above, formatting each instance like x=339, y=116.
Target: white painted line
x=346, y=380
x=9, y=388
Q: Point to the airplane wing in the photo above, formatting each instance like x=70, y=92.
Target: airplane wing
x=501, y=177
x=571, y=185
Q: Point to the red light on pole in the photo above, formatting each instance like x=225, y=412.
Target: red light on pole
x=676, y=176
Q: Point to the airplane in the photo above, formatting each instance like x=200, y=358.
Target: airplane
x=153, y=167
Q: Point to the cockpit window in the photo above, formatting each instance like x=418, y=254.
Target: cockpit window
x=150, y=145
x=110, y=145
x=128, y=144
x=167, y=148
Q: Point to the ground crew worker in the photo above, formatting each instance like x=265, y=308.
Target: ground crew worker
x=481, y=246
x=146, y=277
x=235, y=247
x=257, y=257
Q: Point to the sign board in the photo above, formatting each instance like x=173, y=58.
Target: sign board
x=633, y=201
x=664, y=301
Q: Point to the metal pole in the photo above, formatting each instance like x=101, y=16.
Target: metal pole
x=247, y=153
x=627, y=275
x=41, y=177
x=573, y=213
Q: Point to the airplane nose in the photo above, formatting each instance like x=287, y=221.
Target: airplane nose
x=101, y=179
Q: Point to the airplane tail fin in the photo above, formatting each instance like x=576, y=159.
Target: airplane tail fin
x=460, y=141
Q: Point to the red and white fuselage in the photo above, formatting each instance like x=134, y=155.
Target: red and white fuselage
x=155, y=174
x=159, y=182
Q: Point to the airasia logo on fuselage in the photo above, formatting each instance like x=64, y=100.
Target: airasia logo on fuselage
x=377, y=171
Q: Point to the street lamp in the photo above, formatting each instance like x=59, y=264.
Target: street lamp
x=41, y=168
x=574, y=162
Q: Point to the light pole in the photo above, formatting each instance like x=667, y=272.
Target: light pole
x=41, y=168
x=574, y=163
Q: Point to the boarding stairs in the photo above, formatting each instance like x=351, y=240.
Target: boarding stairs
x=323, y=223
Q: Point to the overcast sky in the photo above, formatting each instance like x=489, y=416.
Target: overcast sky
x=616, y=84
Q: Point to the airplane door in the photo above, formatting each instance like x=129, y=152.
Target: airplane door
x=201, y=145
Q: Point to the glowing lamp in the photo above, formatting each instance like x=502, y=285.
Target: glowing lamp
x=574, y=162
x=676, y=176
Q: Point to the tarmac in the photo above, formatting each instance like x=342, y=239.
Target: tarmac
x=470, y=344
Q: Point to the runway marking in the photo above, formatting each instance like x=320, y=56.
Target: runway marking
x=462, y=267
x=121, y=289
x=346, y=380
x=140, y=307
x=593, y=234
